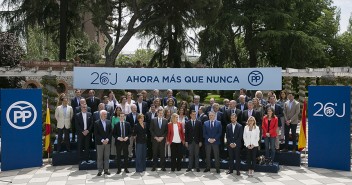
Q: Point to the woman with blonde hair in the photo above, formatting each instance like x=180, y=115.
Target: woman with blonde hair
x=175, y=138
x=250, y=137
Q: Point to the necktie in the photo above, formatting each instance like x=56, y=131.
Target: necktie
x=92, y=99
x=249, y=113
x=212, y=124
x=123, y=130
x=159, y=123
x=192, y=123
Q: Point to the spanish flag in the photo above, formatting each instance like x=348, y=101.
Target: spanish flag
x=302, y=140
x=47, y=129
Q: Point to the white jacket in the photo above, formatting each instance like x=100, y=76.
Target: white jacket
x=61, y=119
x=251, y=137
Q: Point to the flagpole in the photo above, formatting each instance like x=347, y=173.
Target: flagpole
x=48, y=151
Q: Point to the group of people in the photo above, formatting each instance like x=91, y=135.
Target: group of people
x=153, y=128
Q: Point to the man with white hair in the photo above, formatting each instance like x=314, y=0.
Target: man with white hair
x=102, y=132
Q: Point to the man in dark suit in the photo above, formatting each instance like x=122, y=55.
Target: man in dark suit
x=108, y=107
x=195, y=105
x=158, y=131
x=142, y=106
x=211, y=134
x=82, y=102
x=242, y=105
x=132, y=119
x=155, y=96
x=193, y=140
x=122, y=133
x=102, y=132
x=84, y=124
x=234, y=135
x=232, y=109
x=202, y=116
x=75, y=103
x=248, y=113
x=92, y=101
x=210, y=107
x=226, y=105
x=169, y=93
x=148, y=119
x=96, y=114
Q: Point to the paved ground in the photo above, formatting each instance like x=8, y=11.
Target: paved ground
x=59, y=175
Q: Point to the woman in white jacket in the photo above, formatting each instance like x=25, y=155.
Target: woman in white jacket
x=250, y=138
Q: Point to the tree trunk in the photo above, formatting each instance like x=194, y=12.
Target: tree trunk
x=250, y=44
x=63, y=29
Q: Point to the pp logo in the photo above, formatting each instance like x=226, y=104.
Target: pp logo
x=255, y=78
x=21, y=115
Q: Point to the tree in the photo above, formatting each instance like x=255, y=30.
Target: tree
x=170, y=33
x=10, y=55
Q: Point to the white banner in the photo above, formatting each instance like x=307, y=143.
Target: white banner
x=178, y=78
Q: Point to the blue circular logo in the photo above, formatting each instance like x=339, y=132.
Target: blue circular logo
x=255, y=78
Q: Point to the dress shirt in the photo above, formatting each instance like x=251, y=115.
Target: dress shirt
x=84, y=114
x=140, y=107
x=65, y=110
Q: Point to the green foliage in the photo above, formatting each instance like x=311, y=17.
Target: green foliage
x=142, y=55
x=40, y=46
x=10, y=55
x=216, y=97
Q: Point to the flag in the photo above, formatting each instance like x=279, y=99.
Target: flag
x=47, y=128
x=302, y=140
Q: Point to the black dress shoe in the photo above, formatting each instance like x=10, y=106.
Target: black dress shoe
x=172, y=169
x=229, y=172
x=178, y=169
x=238, y=173
x=217, y=171
x=188, y=170
x=107, y=173
x=198, y=170
x=118, y=172
x=153, y=169
x=99, y=174
x=207, y=170
x=163, y=169
x=126, y=170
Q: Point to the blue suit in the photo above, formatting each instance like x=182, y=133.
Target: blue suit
x=210, y=132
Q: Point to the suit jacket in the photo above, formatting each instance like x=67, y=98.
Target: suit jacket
x=93, y=104
x=193, y=133
x=110, y=110
x=203, y=118
x=100, y=133
x=208, y=109
x=223, y=109
x=193, y=107
x=234, y=137
x=292, y=113
x=61, y=118
x=144, y=107
x=155, y=131
x=245, y=117
x=214, y=133
x=170, y=132
x=117, y=132
x=129, y=119
x=141, y=133
x=74, y=103
x=80, y=123
x=272, y=127
x=279, y=112
x=239, y=107
x=228, y=112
